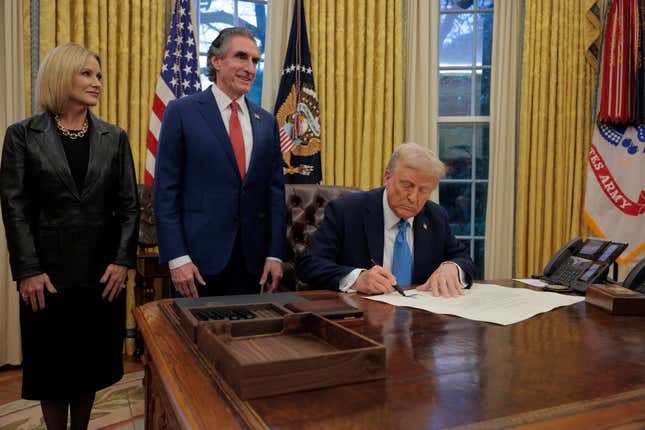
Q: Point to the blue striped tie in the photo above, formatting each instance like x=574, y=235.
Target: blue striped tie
x=402, y=259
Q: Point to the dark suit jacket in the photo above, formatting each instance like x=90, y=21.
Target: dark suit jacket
x=200, y=200
x=351, y=235
x=51, y=226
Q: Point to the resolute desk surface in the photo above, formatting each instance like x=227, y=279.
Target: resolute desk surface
x=576, y=367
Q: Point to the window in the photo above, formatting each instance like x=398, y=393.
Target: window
x=463, y=88
x=216, y=15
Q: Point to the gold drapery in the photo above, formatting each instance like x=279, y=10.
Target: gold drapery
x=357, y=56
x=555, y=130
x=130, y=38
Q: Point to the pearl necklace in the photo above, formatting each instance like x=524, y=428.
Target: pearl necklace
x=68, y=133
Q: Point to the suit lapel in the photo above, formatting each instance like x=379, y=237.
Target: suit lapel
x=374, y=225
x=213, y=118
x=51, y=145
x=422, y=234
x=97, y=156
x=255, y=116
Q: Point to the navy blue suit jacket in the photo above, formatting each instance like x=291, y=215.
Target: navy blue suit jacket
x=351, y=235
x=200, y=200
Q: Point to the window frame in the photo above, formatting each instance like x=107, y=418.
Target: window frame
x=467, y=120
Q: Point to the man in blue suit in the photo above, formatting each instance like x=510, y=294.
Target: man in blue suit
x=370, y=241
x=219, y=186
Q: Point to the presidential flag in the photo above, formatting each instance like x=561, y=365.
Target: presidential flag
x=179, y=77
x=297, y=108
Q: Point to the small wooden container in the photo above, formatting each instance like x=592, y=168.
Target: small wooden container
x=616, y=299
x=189, y=316
x=334, y=309
x=306, y=352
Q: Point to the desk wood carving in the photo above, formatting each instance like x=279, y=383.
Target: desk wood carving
x=574, y=367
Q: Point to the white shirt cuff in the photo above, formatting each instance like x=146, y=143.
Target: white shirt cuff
x=462, y=276
x=179, y=261
x=274, y=259
x=345, y=284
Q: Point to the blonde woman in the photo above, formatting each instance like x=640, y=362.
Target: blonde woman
x=70, y=210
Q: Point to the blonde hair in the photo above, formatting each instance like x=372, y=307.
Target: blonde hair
x=418, y=158
x=55, y=74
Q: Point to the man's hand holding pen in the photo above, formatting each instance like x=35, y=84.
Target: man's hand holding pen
x=376, y=280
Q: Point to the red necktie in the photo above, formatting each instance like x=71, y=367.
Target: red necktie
x=237, y=140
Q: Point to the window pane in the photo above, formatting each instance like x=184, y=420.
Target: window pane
x=479, y=258
x=485, y=4
x=455, y=149
x=481, y=194
x=456, y=39
x=484, y=38
x=481, y=151
x=456, y=4
x=454, y=92
x=482, y=92
x=216, y=15
x=455, y=198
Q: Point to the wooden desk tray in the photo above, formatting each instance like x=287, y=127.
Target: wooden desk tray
x=305, y=352
x=333, y=309
x=193, y=317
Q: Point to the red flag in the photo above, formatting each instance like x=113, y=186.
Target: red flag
x=620, y=63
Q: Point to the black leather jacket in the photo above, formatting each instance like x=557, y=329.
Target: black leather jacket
x=72, y=235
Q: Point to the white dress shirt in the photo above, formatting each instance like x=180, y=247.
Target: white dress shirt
x=224, y=104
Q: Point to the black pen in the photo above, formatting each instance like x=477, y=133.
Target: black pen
x=395, y=286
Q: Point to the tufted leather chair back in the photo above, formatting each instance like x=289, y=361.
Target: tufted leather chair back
x=305, y=211
x=147, y=226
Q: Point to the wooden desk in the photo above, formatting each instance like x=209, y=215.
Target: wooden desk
x=574, y=367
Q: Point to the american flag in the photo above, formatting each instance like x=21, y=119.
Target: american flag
x=286, y=143
x=179, y=77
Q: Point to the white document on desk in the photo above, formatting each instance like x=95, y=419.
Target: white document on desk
x=484, y=302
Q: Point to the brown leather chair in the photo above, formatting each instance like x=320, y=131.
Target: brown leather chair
x=148, y=267
x=305, y=211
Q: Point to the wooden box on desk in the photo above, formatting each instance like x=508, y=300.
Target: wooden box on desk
x=306, y=352
x=616, y=299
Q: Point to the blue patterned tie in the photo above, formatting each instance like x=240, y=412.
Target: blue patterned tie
x=402, y=259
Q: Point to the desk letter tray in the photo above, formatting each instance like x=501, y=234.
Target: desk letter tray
x=306, y=352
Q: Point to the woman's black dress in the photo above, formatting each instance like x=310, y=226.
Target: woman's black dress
x=75, y=344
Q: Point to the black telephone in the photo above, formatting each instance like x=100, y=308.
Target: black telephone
x=635, y=280
x=580, y=263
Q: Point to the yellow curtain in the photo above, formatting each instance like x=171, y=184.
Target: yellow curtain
x=555, y=130
x=356, y=52
x=130, y=38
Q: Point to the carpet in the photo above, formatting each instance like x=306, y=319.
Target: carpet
x=120, y=406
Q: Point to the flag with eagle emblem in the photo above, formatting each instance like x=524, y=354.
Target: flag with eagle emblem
x=297, y=108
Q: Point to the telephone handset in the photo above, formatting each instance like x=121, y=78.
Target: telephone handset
x=635, y=280
x=579, y=263
x=570, y=248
